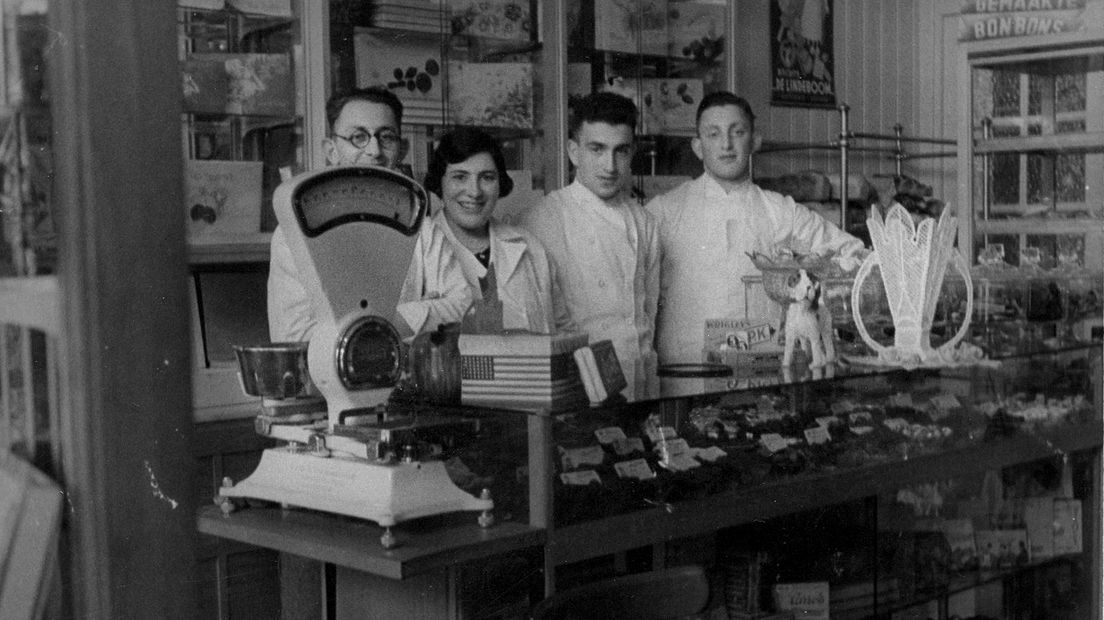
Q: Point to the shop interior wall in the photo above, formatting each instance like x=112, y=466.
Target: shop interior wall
x=894, y=63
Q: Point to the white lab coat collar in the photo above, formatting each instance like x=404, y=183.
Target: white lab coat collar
x=507, y=249
x=589, y=199
x=713, y=190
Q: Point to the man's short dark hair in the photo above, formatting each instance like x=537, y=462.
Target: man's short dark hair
x=372, y=94
x=460, y=144
x=609, y=108
x=721, y=98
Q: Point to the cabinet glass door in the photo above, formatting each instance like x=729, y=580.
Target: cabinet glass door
x=452, y=63
x=1038, y=156
x=241, y=114
x=663, y=54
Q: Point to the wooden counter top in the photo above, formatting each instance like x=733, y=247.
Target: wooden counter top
x=424, y=544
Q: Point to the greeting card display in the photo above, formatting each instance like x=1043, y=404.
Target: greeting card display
x=695, y=30
x=494, y=19
x=408, y=66
x=222, y=197
x=252, y=84
x=631, y=26
x=670, y=105
x=491, y=94
x=416, y=18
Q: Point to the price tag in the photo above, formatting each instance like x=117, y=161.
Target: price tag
x=673, y=447
x=773, y=442
x=710, y=454
x=580, y=478
x=609, y=434
x=628, y=446
x=945, y=401
x=636, y=468
x=682, y=462
x=577, y=457
x=942, y=405
x=827, y=420
x=817, y=435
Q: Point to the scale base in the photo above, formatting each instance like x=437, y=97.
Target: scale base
x=384, y=493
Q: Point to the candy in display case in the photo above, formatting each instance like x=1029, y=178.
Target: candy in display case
x=639, y=456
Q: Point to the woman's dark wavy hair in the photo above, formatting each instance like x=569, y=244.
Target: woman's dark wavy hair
x=457, y=146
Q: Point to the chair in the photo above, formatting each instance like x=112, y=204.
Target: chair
x=667, y=593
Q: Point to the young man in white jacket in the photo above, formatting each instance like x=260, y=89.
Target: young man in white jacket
x=365, y=129
x=707, y=227
x=602, y=242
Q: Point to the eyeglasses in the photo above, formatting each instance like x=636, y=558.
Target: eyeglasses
x=387, y=138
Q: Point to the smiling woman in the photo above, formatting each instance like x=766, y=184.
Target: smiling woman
x=500, y=262
x=468, y=172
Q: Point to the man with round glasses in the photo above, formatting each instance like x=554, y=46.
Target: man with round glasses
x=365, y=128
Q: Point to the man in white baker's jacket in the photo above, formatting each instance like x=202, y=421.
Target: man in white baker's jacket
x=602, y=242
x=365, y=127
x=707, y=227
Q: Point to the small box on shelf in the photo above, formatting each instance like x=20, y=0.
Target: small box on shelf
x=222, y=197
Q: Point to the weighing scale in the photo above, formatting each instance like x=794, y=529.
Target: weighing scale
x=352, y=232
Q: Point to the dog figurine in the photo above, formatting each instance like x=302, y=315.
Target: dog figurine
x=808, y=322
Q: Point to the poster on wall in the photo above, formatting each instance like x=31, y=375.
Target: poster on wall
x=802, y=65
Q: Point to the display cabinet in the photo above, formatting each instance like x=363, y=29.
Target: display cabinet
x=862, y=480
x=513, y=67
x=244, y=95
x=1031, y=172
x=456, y=62
x=242, y=122
x=665, y=56
x=729, y=452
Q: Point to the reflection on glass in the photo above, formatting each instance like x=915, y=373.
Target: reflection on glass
x=1006, y=93
x=29, y=236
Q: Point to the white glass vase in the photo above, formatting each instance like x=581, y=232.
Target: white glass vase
x=913, y=259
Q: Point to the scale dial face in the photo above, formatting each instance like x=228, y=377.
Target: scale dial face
x=341, y=195
x=369, y=354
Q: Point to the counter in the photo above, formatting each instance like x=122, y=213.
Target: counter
x=923, y=426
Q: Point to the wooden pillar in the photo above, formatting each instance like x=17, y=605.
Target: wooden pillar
x=125, y=376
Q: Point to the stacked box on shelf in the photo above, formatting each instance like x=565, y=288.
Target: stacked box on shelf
x=521, y=370
x=429, y=18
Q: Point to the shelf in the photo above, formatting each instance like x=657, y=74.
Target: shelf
x=426, y=544
x=1038, y=226
x=248, y=248
x=958, y=583
x=1092, y=141
x=639, y=528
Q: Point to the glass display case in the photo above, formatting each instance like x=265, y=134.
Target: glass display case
x=460, y=62
x=728, y=452
x=665, y=55
x=513, y=68
x=242, y=116
x=881, y=489
x=1032, y=172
